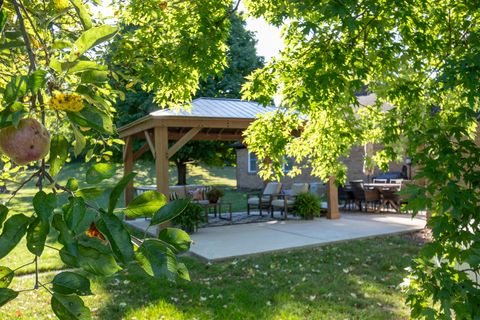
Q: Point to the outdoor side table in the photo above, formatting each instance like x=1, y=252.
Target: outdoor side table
x=208, y=207
x=227, y=205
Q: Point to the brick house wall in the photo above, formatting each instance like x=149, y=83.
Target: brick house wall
x=248, y=180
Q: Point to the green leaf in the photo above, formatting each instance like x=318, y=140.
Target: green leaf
x=3, y=19
x=157, y=259
x=37, y=235
x=93, y=118
x=99, y=172
x=13, y=231
x=44, y=204
x=74, y=214
x=36, y=81
x=120, y=241
x=178, y=239
x=12, y=44
x=94, y=76
x=80, y=141
x=6, y=276
x=7, y=295
x=3, y=214
x=117, y=191
x=95, y=261
x=146, y=204
x=55, y=65
x=69, y=282
x=81, y=66
x=15, y=89
x=65, y=236
x=58, y=153
x=170, y=211
x=69, y=307
x=61, y=44
x=182, y=272
x=89, y=193
x=68, y=258
x=8, y=118
x=91, y=38
x=82, y=13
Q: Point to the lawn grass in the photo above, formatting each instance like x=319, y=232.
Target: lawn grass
x=351, y=280
x=21, y=203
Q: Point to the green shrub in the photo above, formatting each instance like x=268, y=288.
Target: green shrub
x=190, y=217
x=307, y=205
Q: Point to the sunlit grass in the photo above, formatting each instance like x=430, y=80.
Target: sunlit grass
x=348, y=280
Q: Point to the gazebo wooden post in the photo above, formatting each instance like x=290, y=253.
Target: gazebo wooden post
x=161, y=159
x=332, y=200
x=128, y=167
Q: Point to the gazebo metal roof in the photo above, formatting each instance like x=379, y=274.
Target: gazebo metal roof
x=227, y=117
x=217, y=108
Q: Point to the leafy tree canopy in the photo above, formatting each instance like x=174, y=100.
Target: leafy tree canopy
x=241, y=60
x=423, y=58
x=57, y=102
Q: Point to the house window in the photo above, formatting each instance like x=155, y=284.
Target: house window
x=252, y=163
x=288, y=165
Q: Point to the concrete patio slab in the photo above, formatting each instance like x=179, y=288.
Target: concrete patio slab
x=225, y=242
x=218, y=243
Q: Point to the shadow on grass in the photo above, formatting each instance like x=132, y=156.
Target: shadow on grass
x=357, y=279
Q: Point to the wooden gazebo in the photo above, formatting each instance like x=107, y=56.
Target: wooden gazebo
x=207, y=119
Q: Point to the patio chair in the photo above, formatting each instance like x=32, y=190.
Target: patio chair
x=392, y=198
x=345, y=195
x=358, y=192
x=264, y=199
x=287, y=199
x=365, y=195
x=373, y=197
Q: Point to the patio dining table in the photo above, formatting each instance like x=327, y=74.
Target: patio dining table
x=381, y=187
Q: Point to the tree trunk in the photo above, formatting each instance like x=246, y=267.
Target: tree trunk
x=181, y=173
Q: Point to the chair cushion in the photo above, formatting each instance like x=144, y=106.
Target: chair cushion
x=253, y=200
x=272, y=188
x=172, y=196
x=179, y=190
x=281, y=203
x=298, y=188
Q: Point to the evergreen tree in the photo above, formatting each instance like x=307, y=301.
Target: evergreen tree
x=242, y=59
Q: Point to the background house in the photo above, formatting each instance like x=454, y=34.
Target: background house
x=248, y=178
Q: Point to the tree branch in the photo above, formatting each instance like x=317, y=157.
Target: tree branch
x=14, y=193
x=21, y=21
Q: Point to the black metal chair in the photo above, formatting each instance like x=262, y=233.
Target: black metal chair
x=358, y=192
x=345, y=196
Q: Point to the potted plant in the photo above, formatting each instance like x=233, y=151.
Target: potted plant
x=214, y=194
x=190, y=217
x=307, y=205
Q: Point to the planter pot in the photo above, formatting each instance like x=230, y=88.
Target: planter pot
x=213, y=200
